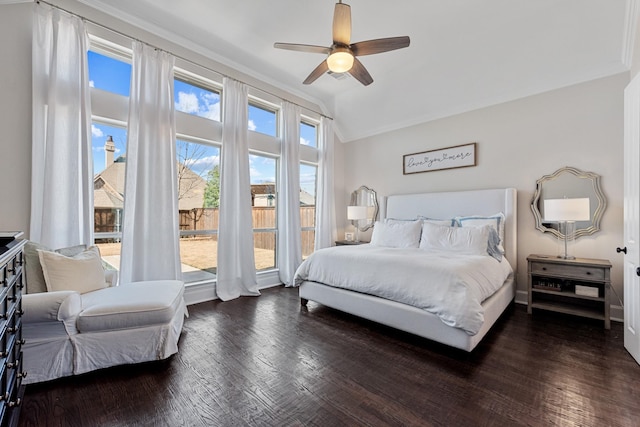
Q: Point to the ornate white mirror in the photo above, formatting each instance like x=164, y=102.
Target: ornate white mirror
x=365, y=197
x=569, y=183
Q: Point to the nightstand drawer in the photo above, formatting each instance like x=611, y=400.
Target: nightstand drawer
x=573, y=271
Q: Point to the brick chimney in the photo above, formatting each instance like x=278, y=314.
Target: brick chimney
x=109, y=150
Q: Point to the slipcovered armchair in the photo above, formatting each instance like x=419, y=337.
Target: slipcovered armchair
x=69, y=332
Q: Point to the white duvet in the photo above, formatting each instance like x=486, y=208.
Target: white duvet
x=449, y=285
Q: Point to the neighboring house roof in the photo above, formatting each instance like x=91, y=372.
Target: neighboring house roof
x=108, y=187
x=105, y=196
x=257, y=190
x=306, y=199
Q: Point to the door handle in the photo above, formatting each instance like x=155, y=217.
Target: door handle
x=638, y=271
x=621, y=250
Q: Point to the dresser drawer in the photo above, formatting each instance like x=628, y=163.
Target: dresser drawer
x=573, y=271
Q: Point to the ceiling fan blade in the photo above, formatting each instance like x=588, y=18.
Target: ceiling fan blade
x=360, y=73
x=371, y=47
x=303, y=47
x=320, y=70
x=342, y=24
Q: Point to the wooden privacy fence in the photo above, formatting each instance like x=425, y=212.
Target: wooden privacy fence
x=106, y=220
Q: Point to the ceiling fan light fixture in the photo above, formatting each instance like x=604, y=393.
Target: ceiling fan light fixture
x=340, y=60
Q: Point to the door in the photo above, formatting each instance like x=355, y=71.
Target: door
x=632, y=217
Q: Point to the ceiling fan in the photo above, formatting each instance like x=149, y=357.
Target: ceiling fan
x=342, y=54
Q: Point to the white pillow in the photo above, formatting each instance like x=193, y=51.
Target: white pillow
x=400, y=234
x=446, y=222
x=81, y=273
x=496, y=221
x=462, y=240
x=396, y=220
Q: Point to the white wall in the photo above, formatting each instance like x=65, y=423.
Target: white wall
x=15, y=116
x=518, y=142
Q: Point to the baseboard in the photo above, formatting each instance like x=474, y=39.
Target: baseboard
x=195, y=293
x=522, y=297
x=200, y=292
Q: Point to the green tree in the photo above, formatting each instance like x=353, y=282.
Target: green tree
x=212, y=190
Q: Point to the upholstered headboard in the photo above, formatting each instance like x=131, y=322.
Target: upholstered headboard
x=447, y=205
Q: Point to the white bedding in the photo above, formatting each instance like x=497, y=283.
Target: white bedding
x=449, y=285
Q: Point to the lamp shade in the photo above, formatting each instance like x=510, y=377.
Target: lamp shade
x=567, y=210
x=356, y=212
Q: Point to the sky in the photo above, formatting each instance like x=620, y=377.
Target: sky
x=114, y=76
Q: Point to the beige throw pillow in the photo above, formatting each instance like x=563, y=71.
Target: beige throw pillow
x=33, y=269
x=82, y=273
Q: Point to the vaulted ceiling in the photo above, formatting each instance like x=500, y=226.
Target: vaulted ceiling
x=464, y=54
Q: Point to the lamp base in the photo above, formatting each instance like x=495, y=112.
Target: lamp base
x=566, y=257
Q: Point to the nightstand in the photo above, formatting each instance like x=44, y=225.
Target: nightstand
x=349, y=243
x=578, y=286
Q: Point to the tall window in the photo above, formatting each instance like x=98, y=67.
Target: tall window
x=198, y=203
x=308, y=182
x=263, y=209
x=109, y=160
x=111, y=74
x=308, y=175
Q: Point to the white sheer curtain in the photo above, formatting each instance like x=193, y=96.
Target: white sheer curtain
x=325, y=203
x=236, y=259
x=150, y=233
x=62, y=165
x=289, y=230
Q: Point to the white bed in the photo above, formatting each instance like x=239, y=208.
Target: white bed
x=416, y=320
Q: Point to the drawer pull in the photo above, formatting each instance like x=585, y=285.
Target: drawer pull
x=11, y=365
x=544, y=268
x=12, y=330
x=17, y=402
x=22, y=374
x=588, y=273
x=4, y=396
x=21, y=342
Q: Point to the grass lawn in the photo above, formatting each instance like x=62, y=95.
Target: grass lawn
x=200, y=253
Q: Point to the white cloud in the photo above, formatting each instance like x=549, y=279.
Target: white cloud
x=91, y=83
x=211, y=106
x=304, y=141
x=187, y=102
x=212, y=112
x=252, y=125
x=96, y=131
x=203, y=165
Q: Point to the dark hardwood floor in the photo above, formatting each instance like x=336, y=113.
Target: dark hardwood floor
x=266, y=362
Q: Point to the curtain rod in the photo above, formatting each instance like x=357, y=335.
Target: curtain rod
x=120, y=33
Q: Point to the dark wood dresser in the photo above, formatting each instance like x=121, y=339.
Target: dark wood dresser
x=11, y=373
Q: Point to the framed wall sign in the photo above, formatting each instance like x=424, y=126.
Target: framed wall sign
x=460, y=156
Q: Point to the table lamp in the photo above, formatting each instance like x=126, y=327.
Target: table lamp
x=356, y=213
x=566, y=212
